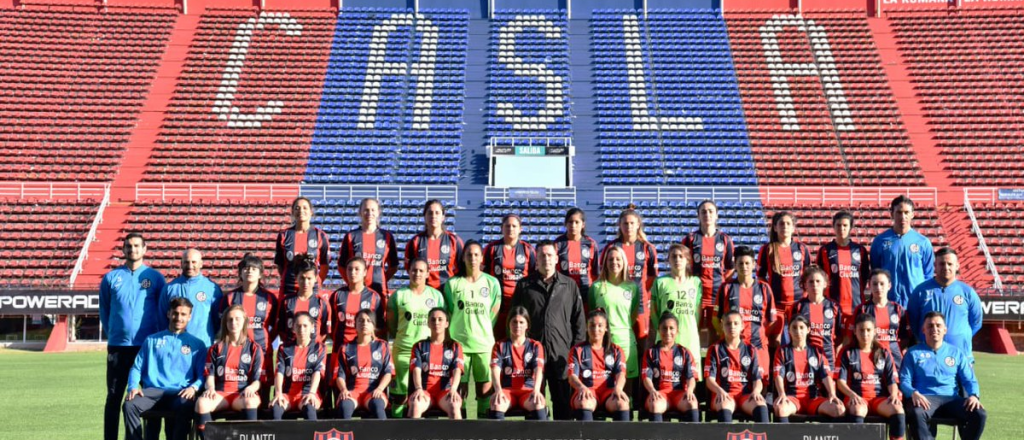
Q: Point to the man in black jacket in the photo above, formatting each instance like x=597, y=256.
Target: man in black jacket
x=557, y=321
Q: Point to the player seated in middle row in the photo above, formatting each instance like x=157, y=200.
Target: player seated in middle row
x=801, y=371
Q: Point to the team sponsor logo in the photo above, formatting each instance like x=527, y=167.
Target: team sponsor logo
x=508, y=371
x=445, y=249
x=145, y=283
x=609, y=360
x=484, y=292
x=894, y=319
x=312, y=243
x=678, y=360
x=745, y=361
x=376, y=356
x=333, y=434
x=587, y=374
x=758, y=299
x=627, y=295
x=521, y=259
x=958, y=300
x=829, y=314
x=201, y=296
x=880, y=364
x=790, y=376
x=364, y=305
x=186, y=350
x=290, y=255
x=261, y=306
x=408, y=316
x=462, y=305
x=246, y=358
x=671, y=304
x=915, y=248
x=311, y=358
x=746, y=435
x=585, y=252
x=797, y=256
x=381, y=243
x=812, y=361
x=314, y=312
x=639, y=255
x=720, y=247
x=950, y=361
x=430, y=302
x=448, y=354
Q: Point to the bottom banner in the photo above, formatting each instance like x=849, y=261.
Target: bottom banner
x=530, y=430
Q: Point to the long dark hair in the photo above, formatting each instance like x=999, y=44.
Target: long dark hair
x=599, y=312
x=514, y=312
x=774, y=239
x=583, y=216
x=463, y=270
x=448, y=341
x=877, y=350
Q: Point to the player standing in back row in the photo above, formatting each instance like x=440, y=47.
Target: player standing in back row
x=373, y=244
x=437, y=246
x=903, y=251
x=302, y=238
x=712, y=251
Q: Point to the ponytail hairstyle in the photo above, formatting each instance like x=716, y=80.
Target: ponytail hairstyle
x=448, y=342
x=630, y=211
x=774, y=240
x=583, y=216
x=877, y=350
x=463, y=269
x=599, y=312
x=364, y=202
x=514, y=312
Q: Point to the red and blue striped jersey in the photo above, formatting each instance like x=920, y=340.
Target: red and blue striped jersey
x=712, y=259
x=234, y=367
x=867, y=377
x=261, y=308
x=734, y=370
x=802, y=372
x=889, y=323
x=785, y=284
x=518, y=364
x=509, y=265
x=825, y=319
x=379, y=251
x=596, y=367
x=441, y=255
x=578, y=260
x=346, y=304
x=755, y=304
x=669, y=369
x=437, y=363
x=363, y=366
x=318, y=308
x=848, y=269
x=298, y=364
x=291, y=243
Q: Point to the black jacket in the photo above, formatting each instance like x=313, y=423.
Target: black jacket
x=557, y=320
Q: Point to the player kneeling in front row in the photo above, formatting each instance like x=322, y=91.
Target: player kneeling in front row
x=737, y=367
x=674, y=369
x=801, y=371
x=364, y=370
x=234, y=365
x=517, y=370
x=300, y=366
x=868, y=376
x=436, y=367
x=597, y=372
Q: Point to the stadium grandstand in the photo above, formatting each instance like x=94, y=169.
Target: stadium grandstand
x=197, y=122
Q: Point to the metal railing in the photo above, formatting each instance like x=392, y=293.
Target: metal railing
x=215, y=191
x=84, y=253
x=852, y=195
x=684, y=194
x=379, y=192
x=54, y=190
x=526, y=141
x=990, y=263
x=550, y=194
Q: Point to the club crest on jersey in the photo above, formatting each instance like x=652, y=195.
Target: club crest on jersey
x=311, y=358
x=220, y=370
x=186, y=350
x=639, y=255
x=950, y=361
x=333, y=434
x=829, y=314
x=855, y=256
x=812, y=361
x=314, y=312
x=609, y=360
x=364, y=305
x=430, y=302
x=678, y=360
x=915, y=248
x=508, y=371
x=758, y=299
x=290, y=255
x=246, y=358
x=448, y=354
x=720, y=247
x=261, y=306
x=521, y=259
x=894, y=319
x=145, y=283
x=585, y=252
x=381, y=243
x=201, y=296
x=527, y=358
x=745, y=361
x=880, y=364
x=797, y=256
x=311, y=243
x=376, y=356
x=627, y=295
x=958, y=300
x=586, y=374
x=790, y=376
x=484, y=292
x=445, y=249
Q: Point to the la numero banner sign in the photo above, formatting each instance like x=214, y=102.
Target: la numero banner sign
x=513, y=430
